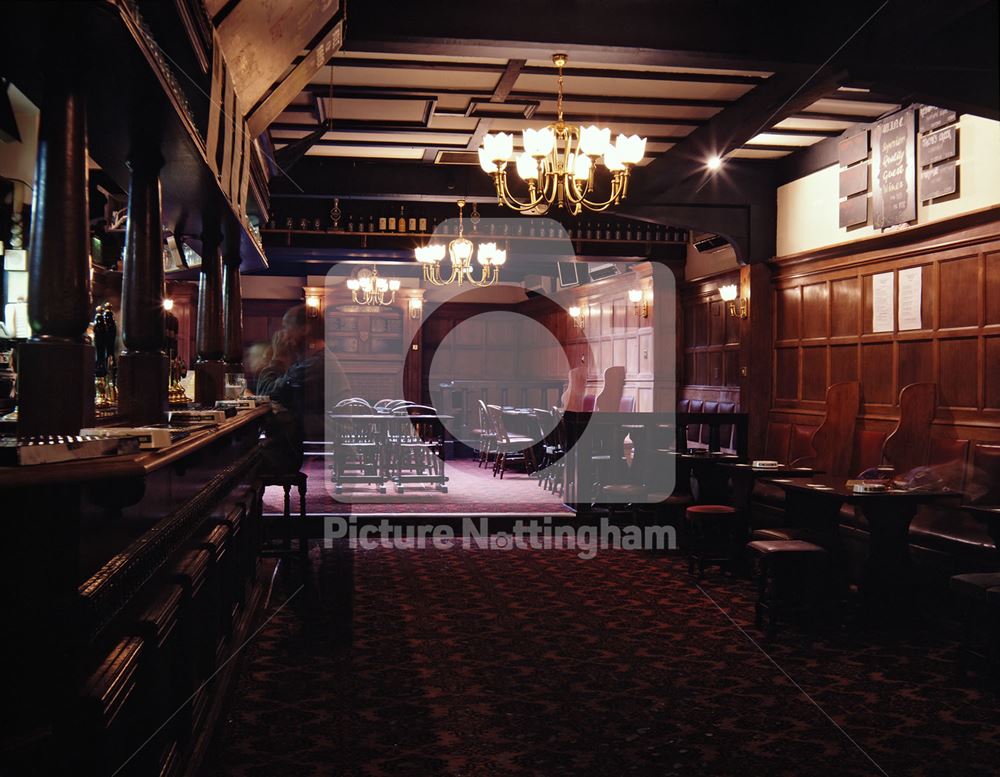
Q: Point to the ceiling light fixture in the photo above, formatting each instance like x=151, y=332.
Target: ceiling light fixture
x=714, y=162
x=559, y=161
x=369, y=288
x=460, y=251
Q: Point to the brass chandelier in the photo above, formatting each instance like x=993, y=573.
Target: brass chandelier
x=460, y=251
x=369, y=288
x=559, y=162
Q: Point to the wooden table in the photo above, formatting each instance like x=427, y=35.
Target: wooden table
x=886, y=576
x=712, y=481
x=743, y=477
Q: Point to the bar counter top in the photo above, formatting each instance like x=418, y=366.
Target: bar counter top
x=127, y=466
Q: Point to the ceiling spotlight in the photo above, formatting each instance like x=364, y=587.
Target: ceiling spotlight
x=714, y=162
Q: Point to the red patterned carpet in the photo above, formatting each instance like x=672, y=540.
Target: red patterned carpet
x=470, y=490
x=473, y=662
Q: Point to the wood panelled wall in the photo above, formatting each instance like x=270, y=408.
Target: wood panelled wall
x=613, y=334
x=823, y=326
x=709, y=342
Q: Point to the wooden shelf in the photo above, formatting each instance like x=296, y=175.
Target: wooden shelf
x=472, y=235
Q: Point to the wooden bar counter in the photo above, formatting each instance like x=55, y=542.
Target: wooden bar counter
x=130, y=580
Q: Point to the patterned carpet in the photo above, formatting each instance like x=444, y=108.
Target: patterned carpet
x=474, y=662
x=470, y=490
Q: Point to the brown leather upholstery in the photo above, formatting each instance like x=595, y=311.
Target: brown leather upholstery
x=786, y=534
x=949, y=457
x=790, y=547
x=800, y=445
x=868, y=445
x=983, y=487
x=779, y=438
x=698, y=510
x=975, y=585
x=952, y=531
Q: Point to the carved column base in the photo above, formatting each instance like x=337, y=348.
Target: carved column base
x=209, y=382
x=142, y=387
x=55, y=389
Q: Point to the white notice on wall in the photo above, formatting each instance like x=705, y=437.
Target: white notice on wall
x=909, y=298
x=882, y=302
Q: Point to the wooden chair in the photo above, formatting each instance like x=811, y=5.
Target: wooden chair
x=833, y=441
x=610, y=398
x=510, y=447
x=908, y=445
x=576, y=387
x=485, y=434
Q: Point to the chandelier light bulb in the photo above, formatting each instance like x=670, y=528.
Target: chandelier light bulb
x=538, y=143
x=527, y=167
x=728, y=292
x=613, y=160
x=631, y=148
x=353, y=284
x=579, y=166
x=488, y=165
x=594, y=140
x=498, y=258
x=393, y=284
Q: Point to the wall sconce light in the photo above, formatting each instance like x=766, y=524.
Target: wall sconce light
x=312, y=304
x=415, y=306
x=728, y=293
x=168, y=304
x=640, y=300
x=576, y=313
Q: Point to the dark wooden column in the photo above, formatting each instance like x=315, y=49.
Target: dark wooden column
x=56, y=367
x=209, y=369
x=756, y=352
x=142, y=370
x=232, y=305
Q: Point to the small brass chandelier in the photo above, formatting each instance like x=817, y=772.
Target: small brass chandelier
x=460, y=251
x=559, y=161
x=369, y=288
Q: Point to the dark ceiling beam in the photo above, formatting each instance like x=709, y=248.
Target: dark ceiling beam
x=468, y=66
x=505, y=84
x=271, y=106
x=775, y=99
x=596, y=54
x=389, y=92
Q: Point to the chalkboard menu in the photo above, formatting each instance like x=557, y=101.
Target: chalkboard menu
x=853, y=149
x=938, y=146
x=931, y=118
x=938, y=181
x=894, y=194
x=853, y=210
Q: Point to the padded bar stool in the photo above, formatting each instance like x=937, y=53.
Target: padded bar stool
x=708, y=535
x=287, y=481
x=792, y=575
x=979, y=594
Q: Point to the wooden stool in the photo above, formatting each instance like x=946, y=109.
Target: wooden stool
x=979, y=594
x=793, y=575
x=708, y=535
x=286, y=481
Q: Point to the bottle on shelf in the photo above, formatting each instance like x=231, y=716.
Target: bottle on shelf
x=628, y=231
x=350, y=223
x=411, y=224
x=335, y=214
x=391, y=224
x=531, y=228
x=401, y=221
x=618, y=231
x=371, y=223
x=381, y=223
x=422, y=224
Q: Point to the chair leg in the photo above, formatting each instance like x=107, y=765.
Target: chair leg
x=287, y=517
x=303, y=532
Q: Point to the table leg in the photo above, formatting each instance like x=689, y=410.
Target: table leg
x=887, y=580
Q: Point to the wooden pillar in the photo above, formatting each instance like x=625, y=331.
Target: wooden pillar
x=209, y=369
x=232, y=305
x=143, y=366
x=756, y=352
x=56, y=367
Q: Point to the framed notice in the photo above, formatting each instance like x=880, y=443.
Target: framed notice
x=938, y=146
x=910, y=281
x=931, y=117
x=939, y=181
x=883, y=300
x=894, y=168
